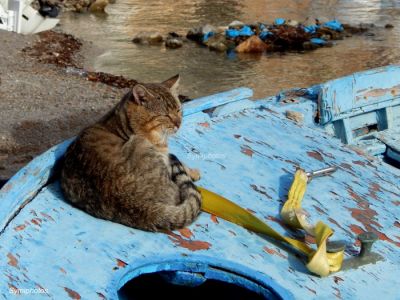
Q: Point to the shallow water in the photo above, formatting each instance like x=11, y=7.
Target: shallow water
x=204, y=72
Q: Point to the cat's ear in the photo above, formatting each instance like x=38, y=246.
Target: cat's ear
x=139, y=94
x=172, y=84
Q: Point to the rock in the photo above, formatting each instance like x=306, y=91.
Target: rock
x=252, y=45
x=236, y=25
x=389, y=26
x=78, y=8
x=309, y=21
x=289, y=37
x=221, y=29
x=151, y=38
x=367, y=25
x=309, y=46
x=208, y=28
x=295, y=116
x=321, y=20
x=332, y=34
x=98, y=6
x=349, y=29
x=292, y=23
x=196, y=34
x=173, y=41
x=219, y=43
x=174, y=34
x=219, y=47
x=325, y=37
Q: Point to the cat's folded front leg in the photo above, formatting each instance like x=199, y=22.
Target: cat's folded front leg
x=194, y=174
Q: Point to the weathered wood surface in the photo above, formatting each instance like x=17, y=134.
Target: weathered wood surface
x=247, y=153
x=354, y=107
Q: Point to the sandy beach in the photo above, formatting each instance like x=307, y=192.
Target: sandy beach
x=41, y=103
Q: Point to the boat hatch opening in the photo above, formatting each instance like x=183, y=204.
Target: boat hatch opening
x=143, y=287
x=194, y=281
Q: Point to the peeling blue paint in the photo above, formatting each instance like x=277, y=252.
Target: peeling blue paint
x=247, y=152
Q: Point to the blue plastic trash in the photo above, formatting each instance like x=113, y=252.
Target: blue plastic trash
x=334, y=25
x=311, y=28
x=207, y=36
x=318, y=41
x=279, y=21
x=261, y=26
x=244, y=31
x=265, y=34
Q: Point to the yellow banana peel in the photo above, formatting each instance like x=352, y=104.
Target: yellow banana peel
x=320, y=261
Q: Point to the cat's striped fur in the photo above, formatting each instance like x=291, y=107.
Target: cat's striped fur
x=119, y=169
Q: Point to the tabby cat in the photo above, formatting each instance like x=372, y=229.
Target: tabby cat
x=119, y=169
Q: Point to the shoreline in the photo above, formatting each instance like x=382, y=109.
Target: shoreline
x=43, y=104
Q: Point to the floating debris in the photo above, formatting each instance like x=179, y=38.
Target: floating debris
x=55, y=48
x=151, y=38
x=61, y=50
x=110, y=79
x=173, y=41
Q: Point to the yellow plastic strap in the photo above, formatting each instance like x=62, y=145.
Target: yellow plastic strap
x=320, y=261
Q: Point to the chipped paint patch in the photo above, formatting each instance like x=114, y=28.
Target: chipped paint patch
x=246, y=150
x=311, y=290
x=204, y=124
x=14, y=289
x=320, y=210
x=214, y=219
x=260, y=190
x=394, y=90
x=337, y=224
x=72, y=294
x=354, y=195
x=359, y=163
x=316, y=155
x=347, y=166
x=337, y=279
x=121, y=263
x=337, y=293
x=192, y=245
x=20, y=227
x=274, y=252
x=36, y=221
x=48, y=217
x=12, y=260
x=186, y=232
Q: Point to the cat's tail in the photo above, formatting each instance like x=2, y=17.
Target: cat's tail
x=189, y=204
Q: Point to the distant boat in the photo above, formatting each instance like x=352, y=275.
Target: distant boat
x=247, y=151
x=21, y=17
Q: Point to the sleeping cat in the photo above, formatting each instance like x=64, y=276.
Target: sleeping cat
x=119, y=169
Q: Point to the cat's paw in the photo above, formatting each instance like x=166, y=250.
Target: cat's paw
x=194, y=174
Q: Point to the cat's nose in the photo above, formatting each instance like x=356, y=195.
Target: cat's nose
x=177, y=123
